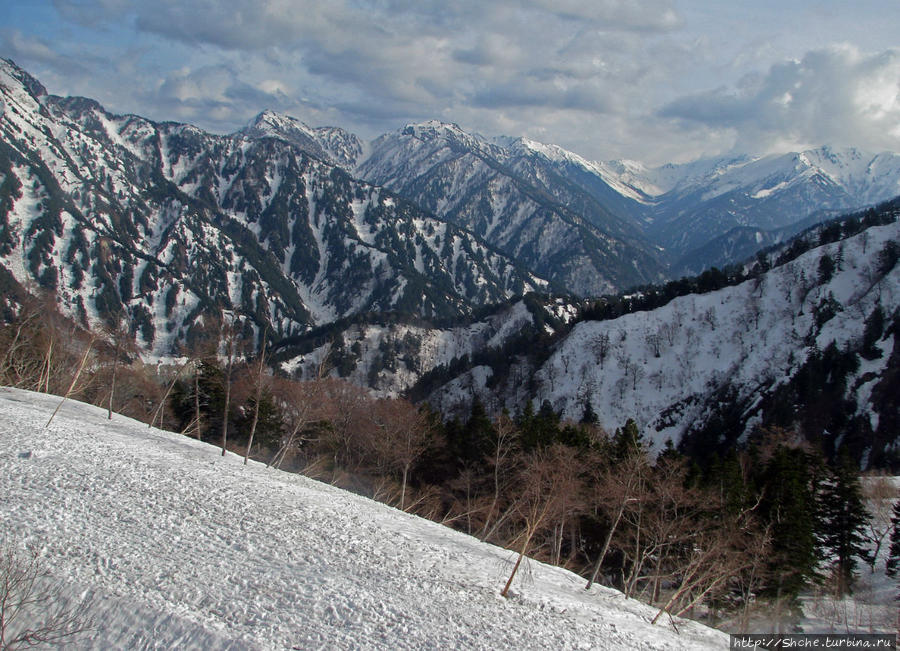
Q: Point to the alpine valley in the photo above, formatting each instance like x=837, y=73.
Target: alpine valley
x=453, y=267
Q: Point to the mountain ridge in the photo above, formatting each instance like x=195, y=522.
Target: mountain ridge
x=121, y=214
x=680, y=207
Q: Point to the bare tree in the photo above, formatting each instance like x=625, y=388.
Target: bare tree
x=35, y=352
x=669, y=331
x=300, y=408
x=634, y=374
x=600, y=346
x=618, y=488
x=625, y=362
x=504, y=446
x=84, y=357
x=717, y=552
x=402, y=434
x=160, y=408
x=544, y=483
x=117, y=338
x=572, y=501
x=654, y=343
x=32, y=608
x=879, y=494
x=345, y=406
x=470, y=505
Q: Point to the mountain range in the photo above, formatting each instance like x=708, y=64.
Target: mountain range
x=453, y=266
x=806, y=338
x=166, y=225
x=586, y=228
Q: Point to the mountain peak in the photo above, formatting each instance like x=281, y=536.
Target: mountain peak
x=272, y=119
x=330, y=144
x=435, y=125
x=9, y=68
x=431, y=129
x=450, y=133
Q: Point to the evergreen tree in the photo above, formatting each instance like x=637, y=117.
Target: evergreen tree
x=725, y=478
x=589, y=416
x=844, y=518
x=788, y=506
x=627, y=441
x=204, y=393
x=893, y=561
x=539, y=429
x=826, y=269
x=471, y=443
x=874, y=329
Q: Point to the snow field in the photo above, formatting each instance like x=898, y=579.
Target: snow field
x=183, y=548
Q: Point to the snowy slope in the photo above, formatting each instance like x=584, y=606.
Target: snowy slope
x=390, y=358
x=666, y=367
x=182, y=548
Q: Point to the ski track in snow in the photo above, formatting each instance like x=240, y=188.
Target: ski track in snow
x=183, y=548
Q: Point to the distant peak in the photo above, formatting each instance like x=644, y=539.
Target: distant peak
x=432, y=127
x=327, y=143
x=271, y=117
x=450, y=132
x=30, y=83
x=439, y=124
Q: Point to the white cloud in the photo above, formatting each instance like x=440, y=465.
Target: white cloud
x=607, y=78
x=836, y=95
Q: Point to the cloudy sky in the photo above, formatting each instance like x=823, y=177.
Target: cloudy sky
x=655, y=80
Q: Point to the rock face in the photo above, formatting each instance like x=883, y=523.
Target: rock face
x=167, y=225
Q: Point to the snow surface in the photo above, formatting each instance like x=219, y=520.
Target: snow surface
x=663, y=366
x=183, y=548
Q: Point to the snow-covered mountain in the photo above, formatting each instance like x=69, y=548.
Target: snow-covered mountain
x=811, y=344
x=332, y=144
x=509, y=192
x=166, y=225
x=176, y=546
x=669, y=215
x=807, y=342
x=694, y=203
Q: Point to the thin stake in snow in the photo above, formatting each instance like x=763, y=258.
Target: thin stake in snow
x=74, y=381
x=258, y=396
x=162, y=403
x=229, y=334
